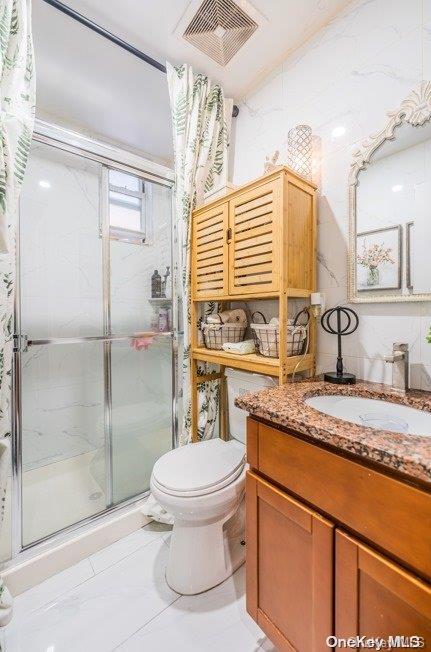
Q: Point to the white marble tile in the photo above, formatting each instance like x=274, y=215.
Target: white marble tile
x=355, y=70
x=331, y=256
x=327, y=362
x=426, y=378
x=360, y=100
x=425, y=330
x=103, y=612
x=211, y=621
x=52, y=588
x=124, y=547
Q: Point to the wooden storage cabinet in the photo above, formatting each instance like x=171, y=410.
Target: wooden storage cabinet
x=258, y=241
x=254, y=245
x=289, y=568
x=209, y=252
x=375, y=597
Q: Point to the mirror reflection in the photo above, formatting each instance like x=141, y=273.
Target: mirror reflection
x=393, y=216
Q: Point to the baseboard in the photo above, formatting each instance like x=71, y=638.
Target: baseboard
x=29, y=569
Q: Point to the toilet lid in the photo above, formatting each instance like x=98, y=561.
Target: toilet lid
x=199, y=467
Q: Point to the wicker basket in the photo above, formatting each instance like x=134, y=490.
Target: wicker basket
x=267, y=337
x=215, y=335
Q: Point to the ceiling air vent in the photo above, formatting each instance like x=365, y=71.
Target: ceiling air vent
x=219, y=29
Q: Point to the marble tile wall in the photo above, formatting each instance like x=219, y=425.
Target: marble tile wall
x=350, y=74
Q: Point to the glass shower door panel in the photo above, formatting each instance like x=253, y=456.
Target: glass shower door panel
x=141, y=378
x=62, y=385
x=60, y=246
x=141, y=413
x=63, y=437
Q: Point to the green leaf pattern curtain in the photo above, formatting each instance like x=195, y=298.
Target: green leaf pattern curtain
x=200, y=123
x=17, y=96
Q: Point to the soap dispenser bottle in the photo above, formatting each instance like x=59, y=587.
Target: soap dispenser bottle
x=156, y=285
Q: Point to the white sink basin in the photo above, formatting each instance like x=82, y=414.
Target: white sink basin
x=374, y=413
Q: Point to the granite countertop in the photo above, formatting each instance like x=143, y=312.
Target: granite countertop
x=285, y=406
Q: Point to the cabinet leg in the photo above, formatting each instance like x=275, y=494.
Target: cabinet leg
x=194, y=401
x=223, y=414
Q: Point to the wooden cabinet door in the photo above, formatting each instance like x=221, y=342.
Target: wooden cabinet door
x=289, y=567
x=209, y=252
x=375, y=597
x=255, y=220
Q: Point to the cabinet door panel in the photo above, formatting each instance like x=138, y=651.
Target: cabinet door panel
x=209, y=252
x=375, y=597
x=254, y=250
x=289, y=568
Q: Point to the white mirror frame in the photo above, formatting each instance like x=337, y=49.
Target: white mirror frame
x=414, y=110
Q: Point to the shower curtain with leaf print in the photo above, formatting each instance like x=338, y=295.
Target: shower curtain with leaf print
x=201, y=118
x=17, y=97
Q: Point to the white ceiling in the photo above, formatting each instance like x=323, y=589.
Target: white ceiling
x=87, y=82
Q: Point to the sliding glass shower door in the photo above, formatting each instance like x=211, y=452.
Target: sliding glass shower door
x=94, y=395
x=141, y=374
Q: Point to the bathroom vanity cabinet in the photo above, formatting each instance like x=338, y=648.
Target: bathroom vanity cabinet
x=334, y=547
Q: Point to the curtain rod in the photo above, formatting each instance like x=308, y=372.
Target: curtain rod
x=65, y=9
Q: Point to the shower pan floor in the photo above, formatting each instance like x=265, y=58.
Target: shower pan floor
x=64, y=492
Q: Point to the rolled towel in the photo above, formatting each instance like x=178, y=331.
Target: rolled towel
x=218, y=317
x=236, y=316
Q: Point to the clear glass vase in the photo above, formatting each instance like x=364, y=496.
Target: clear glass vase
x=373, y=276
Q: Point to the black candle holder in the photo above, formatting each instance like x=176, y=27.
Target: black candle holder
x=340, y=377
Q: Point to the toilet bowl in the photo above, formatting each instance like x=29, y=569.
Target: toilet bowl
x=202, y=485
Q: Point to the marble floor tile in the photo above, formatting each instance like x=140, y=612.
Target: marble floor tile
x=212, y=621
x=124, y=547
x=101, y=613
x=52, y=588
x=118, y=599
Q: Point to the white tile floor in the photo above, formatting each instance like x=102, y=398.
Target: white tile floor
x=118, y=599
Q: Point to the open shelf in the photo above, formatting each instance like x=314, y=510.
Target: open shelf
x=253, y=361
x=160, y=302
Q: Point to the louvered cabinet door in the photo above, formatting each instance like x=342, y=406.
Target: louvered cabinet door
x=255, y=218
x=210, y=252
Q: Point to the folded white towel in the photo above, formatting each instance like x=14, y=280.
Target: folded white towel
x=242, y=348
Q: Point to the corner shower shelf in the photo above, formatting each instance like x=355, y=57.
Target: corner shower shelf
x=160, y=302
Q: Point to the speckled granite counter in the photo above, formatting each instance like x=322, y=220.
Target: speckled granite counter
x=285, y=406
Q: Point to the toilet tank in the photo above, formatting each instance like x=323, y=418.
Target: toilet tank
x=239, y=383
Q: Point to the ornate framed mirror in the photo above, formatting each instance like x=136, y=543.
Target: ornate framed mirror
x=390, y=208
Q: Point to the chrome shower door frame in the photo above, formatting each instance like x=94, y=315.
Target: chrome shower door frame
x=110, y=158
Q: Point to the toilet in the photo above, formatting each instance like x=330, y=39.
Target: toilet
x=202, y=485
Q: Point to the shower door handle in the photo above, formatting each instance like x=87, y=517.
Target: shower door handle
x=23, y=343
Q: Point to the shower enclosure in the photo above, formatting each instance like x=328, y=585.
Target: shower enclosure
x=93, y=398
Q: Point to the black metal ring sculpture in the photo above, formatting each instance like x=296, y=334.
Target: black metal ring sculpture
x=340, y=377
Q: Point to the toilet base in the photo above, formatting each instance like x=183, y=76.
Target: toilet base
x=203, y=555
